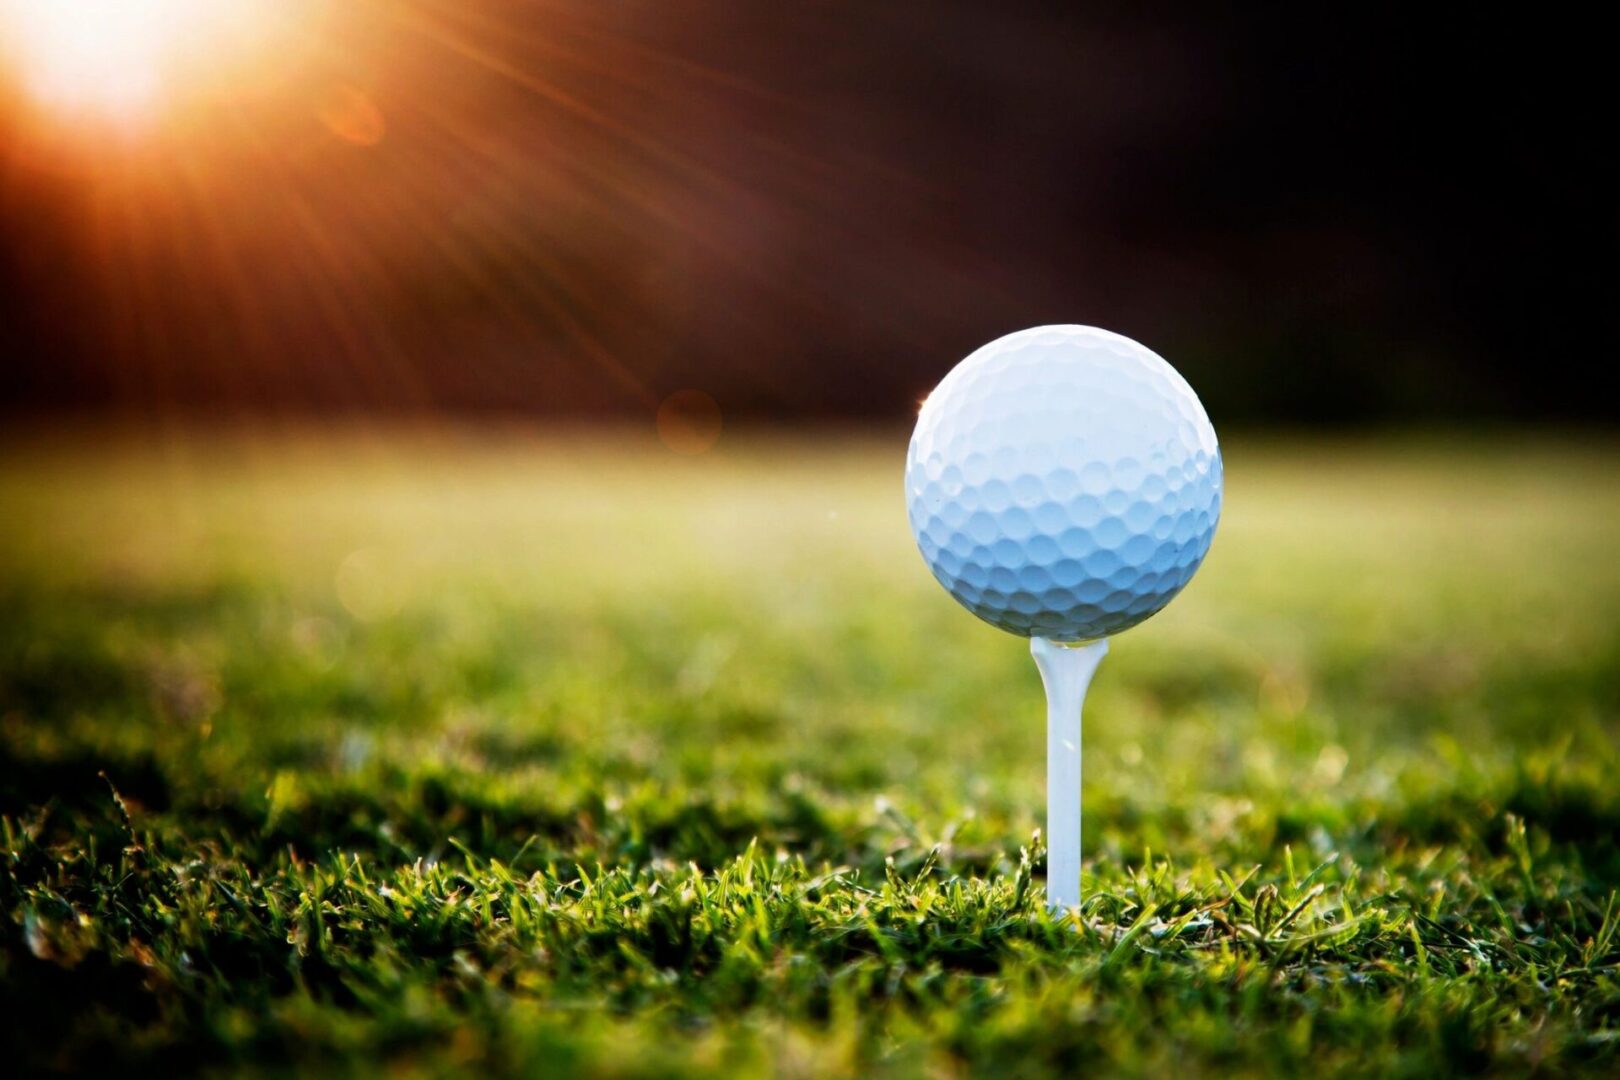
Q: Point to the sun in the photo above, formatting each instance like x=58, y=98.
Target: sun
x=128, y=59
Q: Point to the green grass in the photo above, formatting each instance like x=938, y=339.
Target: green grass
x=434, y=752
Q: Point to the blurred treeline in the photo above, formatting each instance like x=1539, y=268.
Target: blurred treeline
x=813, y=209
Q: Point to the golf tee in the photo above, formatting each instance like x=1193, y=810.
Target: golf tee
x=1066, y=672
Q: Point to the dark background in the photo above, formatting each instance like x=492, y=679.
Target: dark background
x=815, y=209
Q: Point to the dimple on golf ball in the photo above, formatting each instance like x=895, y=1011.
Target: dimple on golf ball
x=1063, y=482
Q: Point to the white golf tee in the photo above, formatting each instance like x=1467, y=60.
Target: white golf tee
x=1066, y=672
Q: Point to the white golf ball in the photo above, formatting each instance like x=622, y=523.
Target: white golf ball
x=1063, y=482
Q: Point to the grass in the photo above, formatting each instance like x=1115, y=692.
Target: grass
x=434, y=752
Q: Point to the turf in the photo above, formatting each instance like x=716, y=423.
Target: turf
x=432, y=752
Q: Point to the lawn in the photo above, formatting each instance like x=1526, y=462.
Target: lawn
x=431, y=750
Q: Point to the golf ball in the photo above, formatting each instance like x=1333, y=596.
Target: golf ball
x=1063, y=482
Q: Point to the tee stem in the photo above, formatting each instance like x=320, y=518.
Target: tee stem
x=1066, y=672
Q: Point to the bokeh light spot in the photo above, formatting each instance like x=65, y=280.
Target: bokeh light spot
x=352, y=116
x=367, y=585
x=689, y=422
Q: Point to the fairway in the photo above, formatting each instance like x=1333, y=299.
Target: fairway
x=437, y=748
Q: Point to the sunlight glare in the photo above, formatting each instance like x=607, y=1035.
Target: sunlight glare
x=120, y=58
